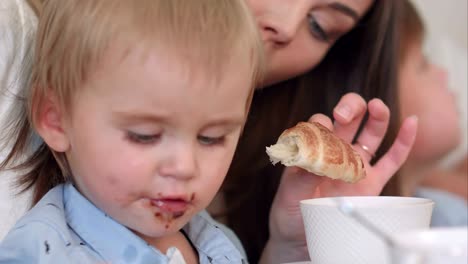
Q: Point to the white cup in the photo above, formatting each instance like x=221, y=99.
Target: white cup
x=433, y=246
x=335, y=238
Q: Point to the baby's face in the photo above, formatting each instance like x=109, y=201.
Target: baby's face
x=151, y=138
x=424, y=92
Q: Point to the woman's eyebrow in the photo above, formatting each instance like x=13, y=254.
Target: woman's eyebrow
x=345, y=10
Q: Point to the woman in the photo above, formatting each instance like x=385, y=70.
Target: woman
x=297, y=36
x=356, y=42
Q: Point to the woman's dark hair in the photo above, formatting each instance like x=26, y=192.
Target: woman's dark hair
x=364, y=61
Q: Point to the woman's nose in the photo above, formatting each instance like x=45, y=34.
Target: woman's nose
x=277, y=33
x=179, y=163
x=281, y=24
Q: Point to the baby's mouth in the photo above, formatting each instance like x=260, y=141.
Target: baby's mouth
x=176, y=207
x=169, y=208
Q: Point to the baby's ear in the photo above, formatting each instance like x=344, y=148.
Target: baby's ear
x=49, y=123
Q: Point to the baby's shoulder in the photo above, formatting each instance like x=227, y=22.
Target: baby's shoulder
x=47, y=215
x=40, y=236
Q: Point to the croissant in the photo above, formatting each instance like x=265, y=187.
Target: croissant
x=316, y=149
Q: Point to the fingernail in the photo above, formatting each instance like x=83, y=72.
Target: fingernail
x=344, y=111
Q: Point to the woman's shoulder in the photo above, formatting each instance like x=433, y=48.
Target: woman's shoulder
x=17, y=20
x=10, y=26
x=13, y=12
x=15, y=5
x=17, y=26
x=9, y=5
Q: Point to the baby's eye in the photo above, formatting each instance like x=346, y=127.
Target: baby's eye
x=142, y=139
x=210, y=141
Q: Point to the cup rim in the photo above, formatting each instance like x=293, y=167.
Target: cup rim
x=389, y=201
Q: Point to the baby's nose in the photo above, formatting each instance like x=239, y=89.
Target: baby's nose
x=180, y=164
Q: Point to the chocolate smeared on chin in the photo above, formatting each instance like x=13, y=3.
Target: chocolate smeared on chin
x=168, y=217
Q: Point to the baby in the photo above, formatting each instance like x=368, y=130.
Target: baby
x=140, y=105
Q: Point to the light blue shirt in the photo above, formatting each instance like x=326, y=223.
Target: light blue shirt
x=449, y=210
x=64, y=227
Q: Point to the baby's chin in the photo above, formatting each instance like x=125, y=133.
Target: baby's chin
x=153, y=231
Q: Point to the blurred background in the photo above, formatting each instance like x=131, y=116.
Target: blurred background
x=447, y=44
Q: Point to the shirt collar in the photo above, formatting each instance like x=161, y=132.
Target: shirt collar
x=210, y=241
x=117, y=244
x=111, y=240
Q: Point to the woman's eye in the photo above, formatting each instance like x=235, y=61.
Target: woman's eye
x=316, y=29
x=209, y=141
x=142, y=139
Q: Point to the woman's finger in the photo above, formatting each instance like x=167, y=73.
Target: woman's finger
x=348, y=115
x=301, y=181
x=323, y=120
x=389, y=164
x=374, y=130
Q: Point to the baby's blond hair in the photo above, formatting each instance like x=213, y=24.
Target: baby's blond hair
x=74, y=35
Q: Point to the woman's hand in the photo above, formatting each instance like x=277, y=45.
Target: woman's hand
x=287, y=238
